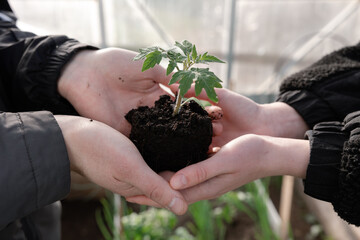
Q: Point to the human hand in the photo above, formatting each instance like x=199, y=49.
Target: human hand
x=105, y=84
x=241, y=161
x=109, y=159
x=242, y=115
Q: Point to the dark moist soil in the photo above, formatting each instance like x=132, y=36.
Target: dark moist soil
x=169, y=142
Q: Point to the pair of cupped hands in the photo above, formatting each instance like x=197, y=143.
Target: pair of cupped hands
x=103, y=85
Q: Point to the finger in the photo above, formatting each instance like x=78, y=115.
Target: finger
x=196, y=173
x=215, y=112
x=174, y=87
x=217, y=128
x=213, y=150
x=160, y=75
x=209, y=189
x=158, y=189
x=130, y=191
x=143, y=200
x=167, y=175
x=216, y=149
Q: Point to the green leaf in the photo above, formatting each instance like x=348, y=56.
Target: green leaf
x=109, y=218
x=175, y=56
x=140, y=56
x=172, y=65
x=101, y=225
x=185, y=79
x=194, y=53
x=206, y=80
x=185, y=46
x=209, y=58
x=194, y=99
x=176, y=77
x=144, y=52
x=151, y=60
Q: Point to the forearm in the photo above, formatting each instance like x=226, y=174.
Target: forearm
x=70, y=85
x=283, y=119
x=284, y=156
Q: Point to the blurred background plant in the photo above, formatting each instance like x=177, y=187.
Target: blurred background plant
x=206, y=220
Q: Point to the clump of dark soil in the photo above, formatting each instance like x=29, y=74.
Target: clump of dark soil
x=169, y=142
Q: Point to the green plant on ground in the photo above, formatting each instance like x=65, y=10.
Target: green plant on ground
x=258, y=203
x=105, y=218
x=185, y=55
x=209, y=219
x=203, y=226
x=159, y=224
x=148, y=224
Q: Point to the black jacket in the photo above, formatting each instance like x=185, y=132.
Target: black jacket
x=34, y=166
x=327, y=96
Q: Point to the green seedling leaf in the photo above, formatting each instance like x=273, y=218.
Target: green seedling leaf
x=140, y=56
x=175, y=56
x=194, y=54
x=206, y=80
x=144, y=52
x=205, y=58
x=151, y=60
x=172, y=65
x=185, y=46
x=194, y=99
x=185, y=79
x=185, y=54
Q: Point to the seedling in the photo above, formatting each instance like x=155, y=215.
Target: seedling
x=185, y=55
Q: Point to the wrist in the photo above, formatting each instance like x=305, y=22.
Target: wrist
x=286, y=156
x=67, y=125
x=72, y=74
x=283, y=120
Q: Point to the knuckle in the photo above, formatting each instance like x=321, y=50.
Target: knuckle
x=156, y=194
x=200, y=174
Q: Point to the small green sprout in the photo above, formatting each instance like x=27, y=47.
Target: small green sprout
x=185, y=55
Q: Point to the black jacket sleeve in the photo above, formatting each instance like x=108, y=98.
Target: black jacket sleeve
x=328, y=90
x=333, y=173
x=34, y=166
x=327, y=96
x=31, y=66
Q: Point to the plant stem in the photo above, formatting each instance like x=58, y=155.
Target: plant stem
x=177, y=104
x=186, y=65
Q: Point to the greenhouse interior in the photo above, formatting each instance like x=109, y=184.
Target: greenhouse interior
x=262, y=42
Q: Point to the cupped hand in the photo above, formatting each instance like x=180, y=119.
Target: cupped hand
x=241, y=115
x=105, y=84
x=241, y=161
x=109, y=159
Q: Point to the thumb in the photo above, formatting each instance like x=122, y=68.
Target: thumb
x=195, y=174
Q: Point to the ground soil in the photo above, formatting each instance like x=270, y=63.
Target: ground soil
x=169, y=142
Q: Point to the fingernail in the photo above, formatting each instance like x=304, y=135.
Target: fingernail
x=177, y=206
x=179, y=181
